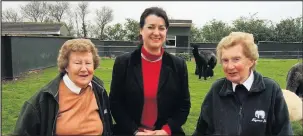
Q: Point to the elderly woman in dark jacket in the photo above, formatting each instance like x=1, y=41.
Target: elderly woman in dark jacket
x=243, y=102
x=149, y=89
x=74, y=103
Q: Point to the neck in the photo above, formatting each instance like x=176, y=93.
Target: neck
x=153, y=51
x=244, y=79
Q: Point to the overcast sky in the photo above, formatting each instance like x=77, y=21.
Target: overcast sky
x=199, y=12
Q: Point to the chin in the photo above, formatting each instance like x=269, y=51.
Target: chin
x=156, y=45
x=83, y=83
x=234, y=80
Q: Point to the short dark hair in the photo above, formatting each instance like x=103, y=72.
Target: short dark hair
x=154, y=11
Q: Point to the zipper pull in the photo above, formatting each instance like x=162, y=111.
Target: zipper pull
x=240, y=112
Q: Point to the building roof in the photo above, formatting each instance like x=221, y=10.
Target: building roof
x=180, y=23
x=31, y=28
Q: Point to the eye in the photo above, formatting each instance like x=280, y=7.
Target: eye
x=162, y=28
x=236, y=59
x=150, y=27
x=224, y=60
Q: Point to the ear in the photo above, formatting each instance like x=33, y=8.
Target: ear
x=251, y=63
x=66, y=69
x=141, y=31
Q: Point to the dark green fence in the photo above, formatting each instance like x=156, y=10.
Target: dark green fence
x=23, y=53
x=20, y=54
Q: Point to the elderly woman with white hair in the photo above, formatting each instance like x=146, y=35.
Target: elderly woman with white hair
x=243, y=102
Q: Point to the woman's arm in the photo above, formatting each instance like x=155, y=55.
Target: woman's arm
x=28, y=122
x=181, y=115
x=116, y=96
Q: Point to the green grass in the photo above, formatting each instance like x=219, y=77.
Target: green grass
x=14, y=93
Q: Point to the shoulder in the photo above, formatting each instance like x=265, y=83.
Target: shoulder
x=174, y=58
x=271, y=83
x=123, y=58
x=218, y=84
x=177, y=62
x=271, y=86
x=48, y=91
x=98, y=81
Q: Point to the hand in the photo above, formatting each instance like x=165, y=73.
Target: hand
x=161, y=132
x=145, y=133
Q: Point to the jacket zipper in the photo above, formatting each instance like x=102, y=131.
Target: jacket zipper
x=239, y=124
x=54, y=123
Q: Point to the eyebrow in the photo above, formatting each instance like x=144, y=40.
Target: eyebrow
x=231, y=57
x=154, y=25
x=236, y=57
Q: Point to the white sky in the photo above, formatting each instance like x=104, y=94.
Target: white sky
x=199, y=12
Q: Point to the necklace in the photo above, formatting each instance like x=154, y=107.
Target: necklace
x=144, y=57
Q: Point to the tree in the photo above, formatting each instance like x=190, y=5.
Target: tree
x=77, y=24
x=83, y=11
x=196, y=34
x=299, y=26
x=57, y=10
x=215, y=30
x=35, y=11
x=92, y=30
x=104, y=16
x=70, y=26
x=263, y=30
x=132, y=29
x=289, y=30
x=115, y=32
x=10, y=15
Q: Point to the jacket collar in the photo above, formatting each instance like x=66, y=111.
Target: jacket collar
x=257, y=86
x=53, y=87
x=136, y=57
x=136, y=64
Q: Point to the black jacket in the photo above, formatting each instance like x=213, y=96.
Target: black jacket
x=127, y=98
x=39, y=114
x=263, y=113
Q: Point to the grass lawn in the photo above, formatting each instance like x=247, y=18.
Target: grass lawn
x=14, y=93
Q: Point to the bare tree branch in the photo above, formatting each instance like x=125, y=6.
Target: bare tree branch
x=77, y=24
x=10, y=15
x=35, y=11
x=57, y=10
x=83, y=11
x=104, y=16
x=70, y=25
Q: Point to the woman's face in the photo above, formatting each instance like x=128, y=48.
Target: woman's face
x=153, y=32
x=235, y=64
x=80, y=68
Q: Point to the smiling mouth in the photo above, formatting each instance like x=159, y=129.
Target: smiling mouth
x=233, y=73
x=83, y=75
x=156, y=39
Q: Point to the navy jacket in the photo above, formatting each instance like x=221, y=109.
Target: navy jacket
x=264, y=112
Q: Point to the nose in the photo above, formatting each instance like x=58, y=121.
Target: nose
x=230, y=65
x=83, y=68
x=156, y=31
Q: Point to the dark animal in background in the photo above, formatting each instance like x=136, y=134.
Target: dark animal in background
x=211, y=62
x=294, y=79
x=201, y=62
